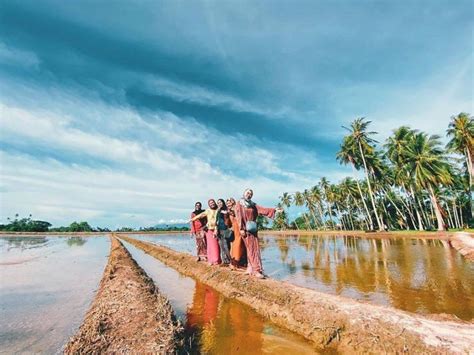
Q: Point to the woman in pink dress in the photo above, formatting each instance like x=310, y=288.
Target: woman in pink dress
x=247, y=212
x=213, y=251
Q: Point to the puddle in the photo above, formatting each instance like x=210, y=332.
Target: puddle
x=416, y=275
x=46, y=286
x=214, y=323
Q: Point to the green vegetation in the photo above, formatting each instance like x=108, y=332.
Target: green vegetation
x=25, y=225
x=410, y=183
x=30, y=225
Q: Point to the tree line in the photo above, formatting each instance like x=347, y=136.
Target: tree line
x=411, y=182
x=28, y=224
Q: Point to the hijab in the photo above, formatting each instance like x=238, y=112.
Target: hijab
x=247, y=203
x=196, y=212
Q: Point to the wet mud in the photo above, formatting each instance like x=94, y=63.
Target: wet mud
x=128, y=313
x=464, y=243
x=331, y=322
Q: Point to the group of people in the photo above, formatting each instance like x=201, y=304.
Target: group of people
x=226, y=233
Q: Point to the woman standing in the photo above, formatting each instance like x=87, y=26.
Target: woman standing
x=237, y=248
x=247, y=212
x=213, y=253
x=224, y=233
x=197, y=230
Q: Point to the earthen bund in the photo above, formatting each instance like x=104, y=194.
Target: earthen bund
x=329, y=321
x=128, y=314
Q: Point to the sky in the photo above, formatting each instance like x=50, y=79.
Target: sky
x=124, y=113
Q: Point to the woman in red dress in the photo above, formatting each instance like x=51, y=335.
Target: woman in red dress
x=247, y=212
x=197, y=230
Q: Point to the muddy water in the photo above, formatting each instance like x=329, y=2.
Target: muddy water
x=46, y=286
x=213, y=323
x=416, y=275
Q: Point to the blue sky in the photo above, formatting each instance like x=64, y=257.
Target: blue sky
x=126, y=112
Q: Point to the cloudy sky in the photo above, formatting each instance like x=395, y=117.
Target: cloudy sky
x=123, y=113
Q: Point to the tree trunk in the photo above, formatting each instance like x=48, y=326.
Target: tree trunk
x=370, y=188
x=439, y=216
x=362, y=198
x=455, y=212
x=450, y=217
x=418, y=216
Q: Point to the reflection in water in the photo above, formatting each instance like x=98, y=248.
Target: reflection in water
x=417, y=275
x=222, y=326
x=45, y=289
x=213, y=323
x=76, y=241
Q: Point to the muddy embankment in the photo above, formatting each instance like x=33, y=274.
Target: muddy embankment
x=464, y=243
x=128, y=313
x=327, y=320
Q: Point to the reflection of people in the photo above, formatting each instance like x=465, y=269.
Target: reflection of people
x=237, y=248
x=247, y=212
x=213, y=253
x=197, y=230
x=224, y=233
x=201, y=316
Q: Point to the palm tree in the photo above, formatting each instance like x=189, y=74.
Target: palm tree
x=285, y=200
x=361, y=139
x=430, y=169
x=461, y=131
x=397, y=154
x=324, y=183
x=299, y=201
x=345, y=156
x=317, y=199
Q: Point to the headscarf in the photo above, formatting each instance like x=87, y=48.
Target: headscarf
x=196, y=212
x=247, y=203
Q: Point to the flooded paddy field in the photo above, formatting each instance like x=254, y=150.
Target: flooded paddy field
x=46, y=287
x=213, y=323
x=424, y=276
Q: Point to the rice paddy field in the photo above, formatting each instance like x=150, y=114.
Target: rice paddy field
x=47, y=284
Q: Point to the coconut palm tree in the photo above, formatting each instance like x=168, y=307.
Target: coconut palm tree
x=298, y=200
x=347, y=155
x=430, y=169
x=360, y=137
x=317, y=199
x=461, y=132
x=325, y=185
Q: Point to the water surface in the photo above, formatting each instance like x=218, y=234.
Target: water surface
x=419, y=275
x=215, y=324
x=46, y=286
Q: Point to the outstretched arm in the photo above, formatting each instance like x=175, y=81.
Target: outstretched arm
x=200, y=215
x=266, y=211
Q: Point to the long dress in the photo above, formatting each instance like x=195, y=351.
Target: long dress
x=213, y=251
x=243, y=215
x=237, y=248
x=197, y=229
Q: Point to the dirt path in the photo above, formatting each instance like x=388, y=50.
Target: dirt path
x=329, y=321
x=464, y=243
x=128, y=313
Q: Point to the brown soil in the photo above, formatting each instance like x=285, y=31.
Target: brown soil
x=128, y=313
x=464, y=243
x=331, y=322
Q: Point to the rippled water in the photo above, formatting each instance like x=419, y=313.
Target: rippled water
x=46, y=286
x=414, y=274
x=214, y=323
